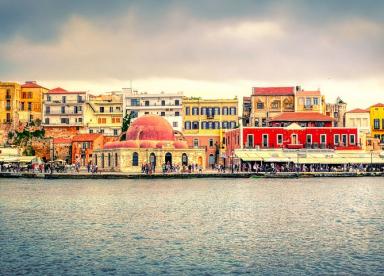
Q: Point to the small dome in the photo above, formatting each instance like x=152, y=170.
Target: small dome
x=150, y=127
x=180, y=145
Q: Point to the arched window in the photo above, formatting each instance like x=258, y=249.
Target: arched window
x=203, y=111
x=184, y=159
x=135, y=159
x=225, y=125
x=217, y=110
x=225, y=110
x=195, y=111
x=195, y=125
x=152, y=159
x=217, y=125
x=116, y=160
x=187, y=125
x=232, y=111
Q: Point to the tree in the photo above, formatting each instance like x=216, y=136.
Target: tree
x=126, y=121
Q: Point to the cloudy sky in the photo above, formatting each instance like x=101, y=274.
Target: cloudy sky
x=211, y=48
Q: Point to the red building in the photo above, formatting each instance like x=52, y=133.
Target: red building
x=293, y=137
x=83, y=146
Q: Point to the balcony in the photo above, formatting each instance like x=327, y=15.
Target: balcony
x=79, y=113
x=67, y=102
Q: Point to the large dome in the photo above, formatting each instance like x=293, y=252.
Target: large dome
x=150, y=127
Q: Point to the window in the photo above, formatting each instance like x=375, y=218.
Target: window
x=250, y=141
x=352, y=139
x=115, y=133
x=146, y=103
x=177, y=102
x=232, y=111
x=187, y=125
x=203, y=111
x=382, y=123
x=225, y=110
x=64, y=120
x=336, y=139
x=63, y=109
x=344, y=139
x=217, y=110
x=63, y=99
x=309, y=139
x=29, y=106
x=195, y=111
x=135, y=102
x=260, y=105
x=376, y=124
x=195, y=143
x=279, y=139
x=315, y=101
x=323, y=139
x=75, y=109
x=195, y=125
x=174, y=124
x=101, y=131
x=48, y=98
x=102, y=120
x=91, y=131
x=177, y=113
x=111, y=109
x=210, y=143
x=233, y=124
x=308, y=102
x=265, y=141
x=109, y=159
x=162, y=103
x=187, y=110
x=47, y=121
x=145, y=113
x=135, y=159
x=225, y=125
x=134, y=114
x=162, y=113
x=101, y=109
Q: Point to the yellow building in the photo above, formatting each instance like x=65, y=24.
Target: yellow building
x=205, y=122
x=309, y=101
x=376, y=113
x=31, y=102
x=104, y=114
x=9, y=102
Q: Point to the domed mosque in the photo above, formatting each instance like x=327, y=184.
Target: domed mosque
x=150, y=139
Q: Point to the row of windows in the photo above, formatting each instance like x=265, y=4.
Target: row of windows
x=294, y=139
x=104, y=120
x=136, y=102
x=76, y=109
x=308, y=101
x=210, y=111
x=102, y=109
x=115, y=131
x=209, y=125
x=64, y=99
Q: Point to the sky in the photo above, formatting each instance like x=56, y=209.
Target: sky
x=211, y=48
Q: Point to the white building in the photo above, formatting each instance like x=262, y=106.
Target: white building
x=63, y=108
x=360, y=119
x=163, y=104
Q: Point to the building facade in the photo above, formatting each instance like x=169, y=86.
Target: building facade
x=205, y=122
x=304, y=119
x=9, y=102
x=247, y=110
x=337, y=111
x=268, y=102
x=104, y=114
x=377, y=121
x=83, y=146
x=150, y=140
x=309, y=101
x=31, y=101
x=62, y=108
x=167, y=105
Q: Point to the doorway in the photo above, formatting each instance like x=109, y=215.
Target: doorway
x=168, y=158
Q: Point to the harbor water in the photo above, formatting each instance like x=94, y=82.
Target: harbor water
x=192, y=226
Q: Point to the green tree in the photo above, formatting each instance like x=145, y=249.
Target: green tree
x=126, y=121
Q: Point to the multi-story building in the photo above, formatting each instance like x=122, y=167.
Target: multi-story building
x=268, y=102
x=167, y=105
x=205, y=122
x=309, y=101
x=83, y=146
x=63, y=108
x=31, y=101
x=360, y=119
x=337, y=111
x=104, y=114
x=377, y=121
x=9, y=102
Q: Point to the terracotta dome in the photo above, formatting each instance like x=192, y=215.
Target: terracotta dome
x=180, y=145
x=150, y=127
x=122, y=144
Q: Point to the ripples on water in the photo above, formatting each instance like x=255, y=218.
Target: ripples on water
x=255, y=226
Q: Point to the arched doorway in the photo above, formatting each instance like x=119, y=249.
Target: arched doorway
x=168, y=158
x=211, y=160
x=152, y=160
x=200, y=161
x=184, y=159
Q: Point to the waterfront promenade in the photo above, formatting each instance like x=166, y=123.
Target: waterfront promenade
x=212, y=174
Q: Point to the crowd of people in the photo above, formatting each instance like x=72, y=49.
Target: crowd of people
x=150, y=168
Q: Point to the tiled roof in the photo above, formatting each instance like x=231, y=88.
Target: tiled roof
x=271, y=91
x=308, y=93
x=378, y=105
x=301, y=117
x=86, y=137
x=59, y=90
x=62, y=140
x=31, y=84
x=358, y=110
